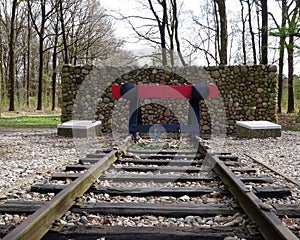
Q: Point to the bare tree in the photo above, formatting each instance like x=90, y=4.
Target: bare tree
x=32, y=48
x=223, y=37
x=88, y=33
x=12, y=55
x=171, y=31
x=174, y=7
x=289, y=30
x=281, y=54
x=40, y=19
x=293, y=32
x=281, y=32
x=3, y=57
x=264, y=32
x=212, y=32
x=60, y=13
x=55, y=53
x=250, y=5
x=243, y=34
x=162, y=23
x=206, y=33
x=28, y=72
x=161, y=29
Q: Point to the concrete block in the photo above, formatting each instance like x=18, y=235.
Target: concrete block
x=79, y=128
x=257, y=129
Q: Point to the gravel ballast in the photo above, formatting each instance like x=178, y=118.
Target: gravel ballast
x=28, y=153
x=281, y=153
x=32, y=155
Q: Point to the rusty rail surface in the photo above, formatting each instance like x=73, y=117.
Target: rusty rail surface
x=268, y=223
x=41, y=221
x=37, y=224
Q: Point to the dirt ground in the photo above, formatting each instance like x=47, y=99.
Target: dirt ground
x=289, y=120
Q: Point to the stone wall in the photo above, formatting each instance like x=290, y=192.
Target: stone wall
x=246, y=93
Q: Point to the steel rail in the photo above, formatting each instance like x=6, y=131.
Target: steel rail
x=274, y=170
x=268, y=223
x=37, y=224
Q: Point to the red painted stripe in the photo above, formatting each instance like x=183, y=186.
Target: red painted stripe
x=115, y=91
x=213, y=92
x=165, y=91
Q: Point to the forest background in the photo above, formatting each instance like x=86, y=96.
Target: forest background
x=39, y=36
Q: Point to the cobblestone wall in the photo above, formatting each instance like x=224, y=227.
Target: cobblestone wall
x=246, y=93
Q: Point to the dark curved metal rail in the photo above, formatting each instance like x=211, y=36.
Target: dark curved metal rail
x=268, y=223
x=37, y=224
x=41, y=221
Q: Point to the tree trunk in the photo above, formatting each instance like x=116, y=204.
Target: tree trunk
x=54, y=74
x=264, y=32
x=162, y=28
x=41, y=71
x=293, y=29
x=61, y=15
x=171, y=29
x=243, y=34
x=24, y=76
x=162, y=31
x=12, y=57
x=290, y=50
x=28, y=74
x=252, y=33
x=41, y=57
x=223, y=31
x=281, y=55
x=54, y=64
x=2, y=72
x=175, y=16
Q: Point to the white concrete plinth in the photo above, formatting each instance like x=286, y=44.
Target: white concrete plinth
x=257, y=129
x=79, y=128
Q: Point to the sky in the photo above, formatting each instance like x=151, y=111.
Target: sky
x=129, y=7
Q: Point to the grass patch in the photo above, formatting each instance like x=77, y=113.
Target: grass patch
x=290, y=121
x=30, y=121
x=291, y=128
x=284, y=103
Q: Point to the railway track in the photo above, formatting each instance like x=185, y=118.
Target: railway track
x=132, y=193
